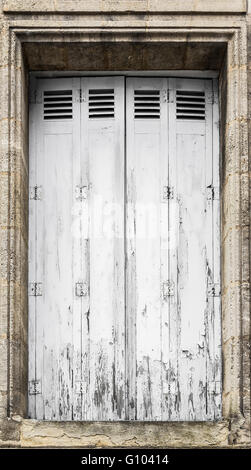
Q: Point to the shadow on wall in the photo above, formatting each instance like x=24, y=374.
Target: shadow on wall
x=124, y=56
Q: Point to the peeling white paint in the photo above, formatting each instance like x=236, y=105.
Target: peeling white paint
x=122, y=349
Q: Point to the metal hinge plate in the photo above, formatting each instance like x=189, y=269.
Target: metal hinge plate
x=168, y=193
x=35, y=387
x=170, y=96
x=35, y=289
x=213, y=290
x=81, y=192
x=167, y=289
x=165, y=96
x=213, y=193
x=78, y=98
x=36, y=193
x=81, y=289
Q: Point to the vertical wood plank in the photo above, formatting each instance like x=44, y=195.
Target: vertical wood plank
x=174, y=328
x=105, y=137
x=56, y=141
x=76, y=232
x=192, y=318
x=191, y=282
x=146, y=172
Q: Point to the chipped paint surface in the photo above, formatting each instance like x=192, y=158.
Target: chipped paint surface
x=156, y=356
x=174, y=326
x=77, y=326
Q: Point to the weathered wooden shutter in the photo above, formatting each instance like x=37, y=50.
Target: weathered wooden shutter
x=124, y=250
x=76, y=276
x=173, y=275
x=194, y=256
x=103, y=129
x=147, y=310
x=54, y=261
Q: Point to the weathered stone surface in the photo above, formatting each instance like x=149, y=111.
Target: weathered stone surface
x=121, y=56
x=9, y=433
x=123, y=434
x=199, y=6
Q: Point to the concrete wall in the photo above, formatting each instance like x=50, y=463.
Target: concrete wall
x=81, y=35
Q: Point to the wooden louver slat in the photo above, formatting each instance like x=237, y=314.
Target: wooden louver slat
x=190, y=105
x=101, y=103
x=146, y=104
x=57, y=104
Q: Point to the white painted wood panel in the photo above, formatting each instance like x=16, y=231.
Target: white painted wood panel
x=127, y=214
x=173, y=338
x=54, y=314
x=103, y=151
x=194, y=312
x=147, y=312
x=77, y=239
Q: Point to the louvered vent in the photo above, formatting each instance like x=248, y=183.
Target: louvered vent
x=101, y=103
x=190, y=105
x=146, y=104
x=58, y=104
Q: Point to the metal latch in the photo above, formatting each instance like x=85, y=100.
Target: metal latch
x=213, y=290
x=81, y=192
x=35, y=387
x=35, y=289
x=167, y=289
x=81, y=289
x=212, y=193
x=36, y=193
x=165, y=96
x=168, y=192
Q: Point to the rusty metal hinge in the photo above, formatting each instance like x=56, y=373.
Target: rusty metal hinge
x=213, y=193
x=81, y=192
x=81, y=289
x=168, y=193
x=213, y=290
x=35, y=387
x=35, y=289
x=165, y=96
x=36, y=193
x=77, y=96
x=167, y=289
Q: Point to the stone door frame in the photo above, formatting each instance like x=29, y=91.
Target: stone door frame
x=18, y=29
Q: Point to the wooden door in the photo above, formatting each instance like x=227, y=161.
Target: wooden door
x=124, y=250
